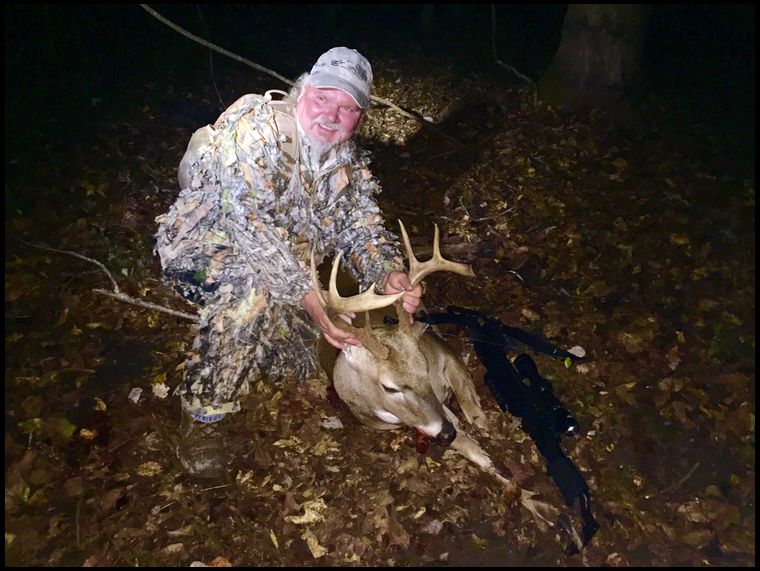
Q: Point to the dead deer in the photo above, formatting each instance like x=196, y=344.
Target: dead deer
x=405, y=374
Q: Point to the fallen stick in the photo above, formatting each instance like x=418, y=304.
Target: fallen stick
x=682, y=480
x=116, y=293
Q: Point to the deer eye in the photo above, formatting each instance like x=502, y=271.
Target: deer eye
x=391, y=390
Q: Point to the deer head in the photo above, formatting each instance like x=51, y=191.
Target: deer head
x=405, y=375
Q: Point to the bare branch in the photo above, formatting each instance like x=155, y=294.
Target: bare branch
x=148, y=305
x=680, y=482
x=524, y=77
x=97, y=263
x=221, y=50
x=116, y=293
x=386, y=102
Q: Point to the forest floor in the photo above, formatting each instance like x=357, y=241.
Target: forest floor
x=635, y=241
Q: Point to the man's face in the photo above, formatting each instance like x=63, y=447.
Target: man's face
x=328, y=116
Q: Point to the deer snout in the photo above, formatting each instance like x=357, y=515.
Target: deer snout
x=447, y=434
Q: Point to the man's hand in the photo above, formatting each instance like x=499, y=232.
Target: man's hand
x=335, y=335
x=399, y=281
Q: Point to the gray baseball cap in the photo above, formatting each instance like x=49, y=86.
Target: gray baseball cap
x=345, y=69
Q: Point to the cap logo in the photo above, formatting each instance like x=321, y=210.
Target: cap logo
x=356, y=69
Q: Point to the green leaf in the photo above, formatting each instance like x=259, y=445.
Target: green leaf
x=65, y=427
x=30, y=425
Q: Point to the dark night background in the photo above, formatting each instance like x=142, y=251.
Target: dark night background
x=61, y=58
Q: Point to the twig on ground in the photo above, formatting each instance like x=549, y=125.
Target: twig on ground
x=79, y=507
x=682, y=480
x=216, y=487
x=438, y=156
x=518, y=275
x=148, y=305
x=116, y=293
x=97, y=263
x=502, y=213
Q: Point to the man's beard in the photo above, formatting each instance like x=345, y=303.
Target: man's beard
x=317, y=149
x=334, y=127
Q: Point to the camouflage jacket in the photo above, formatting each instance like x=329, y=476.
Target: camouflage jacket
x=251, y=210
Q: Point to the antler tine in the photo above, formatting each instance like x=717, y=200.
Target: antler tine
x=315, y=282
x=344, y=305
x=363, y=301
x=413, y=262
x=418, y=270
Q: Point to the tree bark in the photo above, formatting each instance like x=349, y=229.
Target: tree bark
x=597, y=61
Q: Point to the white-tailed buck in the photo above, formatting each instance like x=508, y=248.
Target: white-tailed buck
x=406, y=374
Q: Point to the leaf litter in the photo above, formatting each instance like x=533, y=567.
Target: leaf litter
x=616, y=241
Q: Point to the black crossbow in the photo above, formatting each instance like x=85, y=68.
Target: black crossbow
x=519, y=388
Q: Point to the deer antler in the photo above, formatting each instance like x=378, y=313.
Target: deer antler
x=364, y=301
x=418, y=270
x=335, y=303
x=368, y=299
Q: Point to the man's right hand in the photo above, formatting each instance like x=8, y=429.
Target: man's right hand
x=335, y=336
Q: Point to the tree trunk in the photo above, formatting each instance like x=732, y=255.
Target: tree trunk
x=598, y=57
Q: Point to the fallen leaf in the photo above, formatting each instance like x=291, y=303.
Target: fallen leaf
x=543, y=513
x=30, y=425
x=312, y=543
x=479, y=542
x=331, y=422
x=530, y=315
x=134, y=394
x=73, y=487
x=313, y=512
x=110, y=498
x=88, y=435
x=61, y=425
x=292, y=443
x=160, y=390
x=173, y=549
x=149, y=468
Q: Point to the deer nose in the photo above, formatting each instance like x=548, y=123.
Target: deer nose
x=447, y=434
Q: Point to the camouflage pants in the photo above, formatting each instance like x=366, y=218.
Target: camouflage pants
x=242, y=336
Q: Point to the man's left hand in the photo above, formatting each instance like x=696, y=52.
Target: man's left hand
x=399, y=281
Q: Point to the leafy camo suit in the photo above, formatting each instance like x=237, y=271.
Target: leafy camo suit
x=236, y=242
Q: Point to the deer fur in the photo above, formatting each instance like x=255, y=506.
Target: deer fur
x=406, y=374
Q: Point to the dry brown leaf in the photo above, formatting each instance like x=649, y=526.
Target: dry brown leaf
x=544, y=514
x=312, y=542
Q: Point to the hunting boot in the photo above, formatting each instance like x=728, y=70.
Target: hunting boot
x=201, y=448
